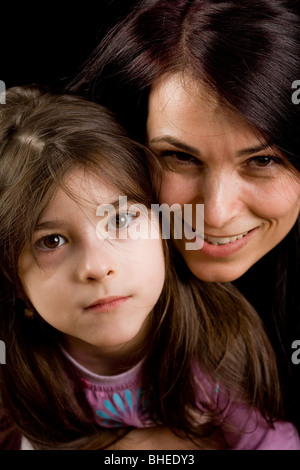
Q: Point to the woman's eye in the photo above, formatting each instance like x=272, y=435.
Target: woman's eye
x=120, y=221
x=263, y=161
x=51, y=242
x=179, y=157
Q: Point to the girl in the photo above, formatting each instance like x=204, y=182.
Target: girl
x=211, y=89
x=99, y=339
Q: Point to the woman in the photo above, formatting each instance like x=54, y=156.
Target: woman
x=209, y=87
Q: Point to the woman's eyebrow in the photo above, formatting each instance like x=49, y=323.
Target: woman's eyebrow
x=176, y=143
x=255, y=149
x=193, y=150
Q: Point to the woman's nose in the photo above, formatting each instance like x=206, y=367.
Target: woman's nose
x=222, y=200
x=95, y=261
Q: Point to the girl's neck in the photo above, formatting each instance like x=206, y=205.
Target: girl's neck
x=102, y=362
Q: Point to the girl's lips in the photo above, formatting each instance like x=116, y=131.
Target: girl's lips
x=222, y=250
x=106, y=304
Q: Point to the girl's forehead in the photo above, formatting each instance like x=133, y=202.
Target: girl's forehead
x=83, y=187
x=88, y=185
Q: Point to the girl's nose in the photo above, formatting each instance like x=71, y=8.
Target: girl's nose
x=95, y=261
x=222, y=200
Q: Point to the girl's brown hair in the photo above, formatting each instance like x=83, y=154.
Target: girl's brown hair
x=43, y=137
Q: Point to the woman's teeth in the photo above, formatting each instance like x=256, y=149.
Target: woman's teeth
x=223, y=240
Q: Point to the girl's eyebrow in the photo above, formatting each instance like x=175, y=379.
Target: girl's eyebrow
x=62, y=223
x=50, y=225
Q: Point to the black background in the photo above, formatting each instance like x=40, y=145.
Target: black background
x=47, y=42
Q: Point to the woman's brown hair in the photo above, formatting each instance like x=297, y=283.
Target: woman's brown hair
x=43, y=137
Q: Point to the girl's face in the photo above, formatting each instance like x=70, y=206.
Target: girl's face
x=210, y=156
x=98, y=291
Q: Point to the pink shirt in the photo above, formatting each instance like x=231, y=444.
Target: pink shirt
x=118, y=401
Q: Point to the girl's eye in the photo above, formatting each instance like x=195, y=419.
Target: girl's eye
x=51, y=242
x=121, y=221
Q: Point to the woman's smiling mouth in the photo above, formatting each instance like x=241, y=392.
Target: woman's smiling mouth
x=219, y=247
x=224, y=240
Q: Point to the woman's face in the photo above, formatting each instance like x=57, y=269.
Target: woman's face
x=210, y=156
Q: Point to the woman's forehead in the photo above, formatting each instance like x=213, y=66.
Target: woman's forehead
x=171, y=85
x=180, y=105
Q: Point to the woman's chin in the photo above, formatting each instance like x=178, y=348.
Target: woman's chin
x=211, y=273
